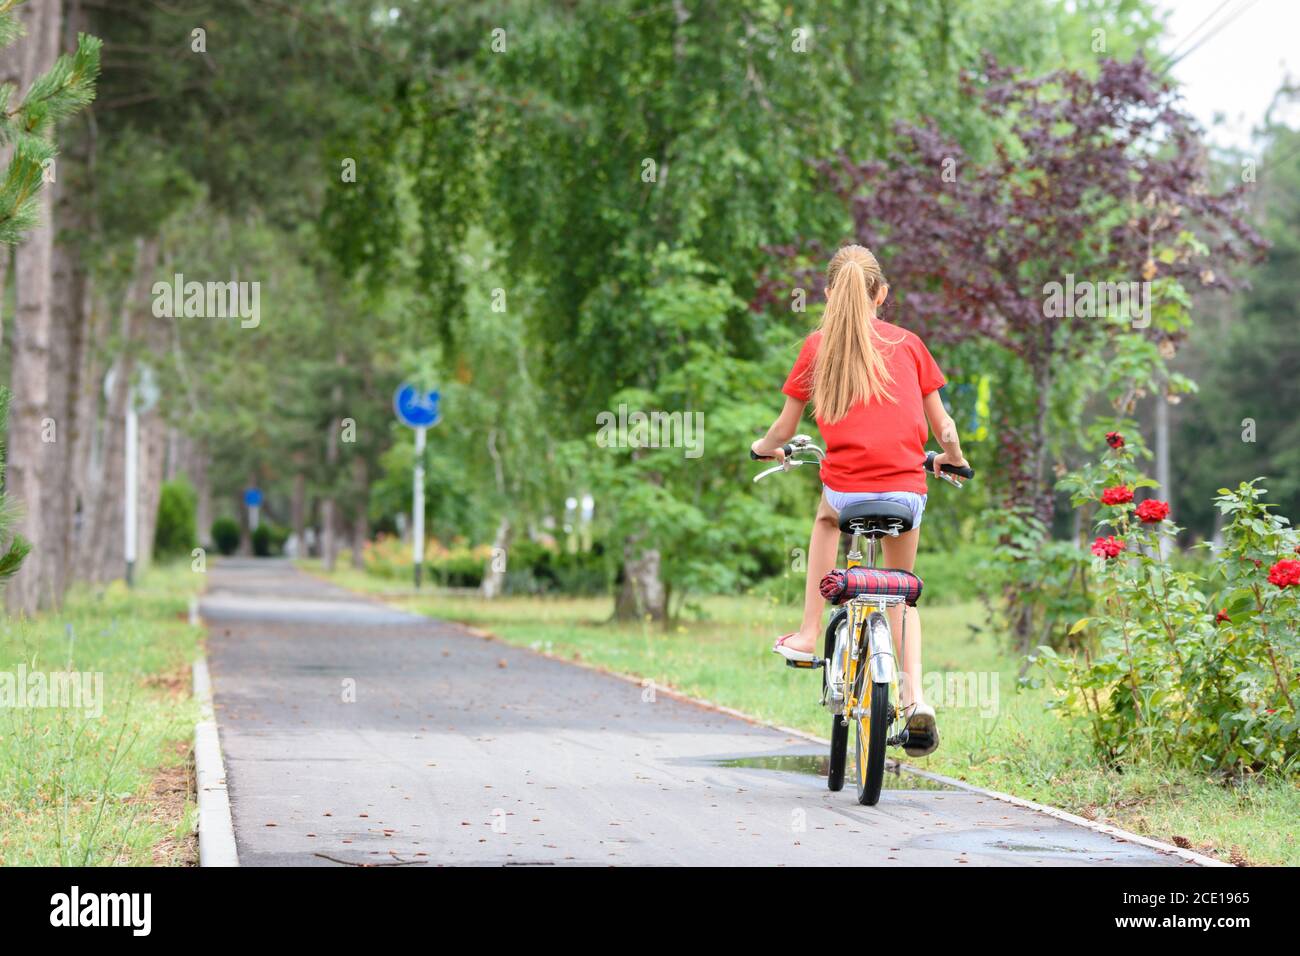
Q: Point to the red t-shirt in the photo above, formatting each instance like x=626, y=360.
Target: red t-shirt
x=878, y=445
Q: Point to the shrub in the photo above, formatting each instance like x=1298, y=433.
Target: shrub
x=269, y=539
x=225, y=535
x=536, y=568
x=175, y=534
x=1198, y=663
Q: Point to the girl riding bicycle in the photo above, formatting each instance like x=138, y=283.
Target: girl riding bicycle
x=873, y=387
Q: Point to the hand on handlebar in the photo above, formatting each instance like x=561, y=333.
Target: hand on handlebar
x=938, y=461
x=758, y=451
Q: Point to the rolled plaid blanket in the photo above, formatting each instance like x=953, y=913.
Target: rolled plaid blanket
x=844, y=584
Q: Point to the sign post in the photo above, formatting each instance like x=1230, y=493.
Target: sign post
x=417, y=408
x=141, y=396
x=132, y=491
x=417, y=505
x=253, y=501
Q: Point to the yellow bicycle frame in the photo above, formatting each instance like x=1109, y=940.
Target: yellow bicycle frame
x=859, y=613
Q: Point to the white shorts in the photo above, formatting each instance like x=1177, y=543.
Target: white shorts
x=839, y=500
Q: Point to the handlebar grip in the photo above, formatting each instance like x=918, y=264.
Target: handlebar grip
x=958, y=470
x=788, y=449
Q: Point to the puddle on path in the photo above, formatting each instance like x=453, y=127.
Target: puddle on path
x=1033, y=848
x=818, y=765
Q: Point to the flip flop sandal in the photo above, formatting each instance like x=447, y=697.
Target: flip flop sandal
x=790, y=654
x=922, y=732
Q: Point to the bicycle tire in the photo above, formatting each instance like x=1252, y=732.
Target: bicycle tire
x=871, y=764
x=839, y=729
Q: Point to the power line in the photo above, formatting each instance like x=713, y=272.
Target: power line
x=1197, y=28
x=1213, y=33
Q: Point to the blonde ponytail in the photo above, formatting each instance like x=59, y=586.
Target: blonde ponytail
x=850, y=367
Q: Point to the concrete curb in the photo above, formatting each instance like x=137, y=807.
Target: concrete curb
x=1117, y=833
x=216, y=828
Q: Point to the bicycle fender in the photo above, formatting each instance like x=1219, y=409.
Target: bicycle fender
x=881, y=647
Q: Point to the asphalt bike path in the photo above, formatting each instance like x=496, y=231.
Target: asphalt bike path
x=358, y=734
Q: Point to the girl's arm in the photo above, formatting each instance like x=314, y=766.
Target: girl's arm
x=945, y=430
x=782, y=430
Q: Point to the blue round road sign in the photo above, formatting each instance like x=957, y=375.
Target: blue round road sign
x=416, y=408
x=253, y=497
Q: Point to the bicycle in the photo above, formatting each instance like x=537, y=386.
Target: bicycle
x=860, y=676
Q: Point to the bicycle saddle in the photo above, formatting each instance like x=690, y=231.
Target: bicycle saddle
x=876, y=518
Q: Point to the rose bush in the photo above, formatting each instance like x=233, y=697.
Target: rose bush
x=1199, y=664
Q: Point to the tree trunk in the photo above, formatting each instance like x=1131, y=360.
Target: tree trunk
x=153, y=452
x=494, y=571
x=32, y=428
x=13, y=72
x=108, y=491
x=328, y=506
x=642, y=594
x=199, y=474
x=1163, y=474
x=67, y=335
x=86, y=469
x=328, y=546
x=298, y=509
x=360, y=524
x=245, y=520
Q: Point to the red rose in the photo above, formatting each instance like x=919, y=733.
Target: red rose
x=1119, y=495
x=1222, y=616
x=1114, y=439
x=1285, y=574
x=1108, y=547
x=1152, y=511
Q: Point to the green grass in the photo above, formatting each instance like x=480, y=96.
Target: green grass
x=110, y=788
x=1007, y=742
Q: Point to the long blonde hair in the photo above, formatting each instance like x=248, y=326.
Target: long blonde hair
x=850, y=367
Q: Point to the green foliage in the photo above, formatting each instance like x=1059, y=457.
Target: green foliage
x=176, y=534
x=525, y=174
x=268, y=539
x=1244, y=423
x=1198, y=665
x=18, y=547
x=68, y=86
x=536, y=569
x=225, y=535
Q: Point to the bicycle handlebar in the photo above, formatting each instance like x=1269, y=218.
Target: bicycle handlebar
x=802, y=443
x=960, y=471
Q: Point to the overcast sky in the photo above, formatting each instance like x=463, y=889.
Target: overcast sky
x=1249, y=47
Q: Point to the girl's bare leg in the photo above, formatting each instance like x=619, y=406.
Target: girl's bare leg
x=823, y=548
x=900, y=553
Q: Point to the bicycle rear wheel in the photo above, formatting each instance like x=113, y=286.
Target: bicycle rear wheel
x=873, y=731
x=839, y=729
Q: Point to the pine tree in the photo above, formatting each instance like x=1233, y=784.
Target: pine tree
x=26, y=128
x=11, y=558
x=68, y=86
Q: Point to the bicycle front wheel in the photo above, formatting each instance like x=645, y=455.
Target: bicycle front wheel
x=873, y=731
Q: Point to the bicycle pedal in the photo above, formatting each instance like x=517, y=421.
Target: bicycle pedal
x=900, y=739
x=815, y=663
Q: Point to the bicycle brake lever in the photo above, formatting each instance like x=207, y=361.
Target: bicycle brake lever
x=788, y=464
